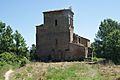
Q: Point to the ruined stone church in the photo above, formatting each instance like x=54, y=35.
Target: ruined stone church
x=56, y=40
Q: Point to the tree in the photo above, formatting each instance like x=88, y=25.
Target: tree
x=20, y=45
x=105, y=38
x=112, y=47
x=107, y=26
x=32, y=52
x=2, y=27
x=6, y=38
x=13, y=49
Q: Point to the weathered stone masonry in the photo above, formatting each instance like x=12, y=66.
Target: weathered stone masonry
x=56, y=40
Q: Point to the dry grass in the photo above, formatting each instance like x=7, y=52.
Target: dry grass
x=67, y=71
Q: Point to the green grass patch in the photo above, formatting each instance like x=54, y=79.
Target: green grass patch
x=66, y=71
x=4, y=68
x=73, y=72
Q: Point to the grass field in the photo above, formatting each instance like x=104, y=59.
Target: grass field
x=64, y=71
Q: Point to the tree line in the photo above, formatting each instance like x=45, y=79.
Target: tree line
x=13, y=48
x=107, y=41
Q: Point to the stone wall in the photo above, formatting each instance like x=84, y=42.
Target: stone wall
x=56, y=40
x=76, y=52
x=85, y=42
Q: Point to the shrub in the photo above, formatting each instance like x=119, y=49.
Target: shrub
x=23, y=61
x=12, y=59
x=95, y=58
x=8, y=58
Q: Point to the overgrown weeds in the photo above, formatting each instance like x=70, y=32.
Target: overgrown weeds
x=67, y=71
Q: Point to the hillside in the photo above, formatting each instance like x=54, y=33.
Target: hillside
x=66, y=71
x=62, y=71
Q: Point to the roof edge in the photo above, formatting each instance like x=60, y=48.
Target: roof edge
x=58, y=11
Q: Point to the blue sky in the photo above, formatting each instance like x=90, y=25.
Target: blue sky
x=24, y=15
